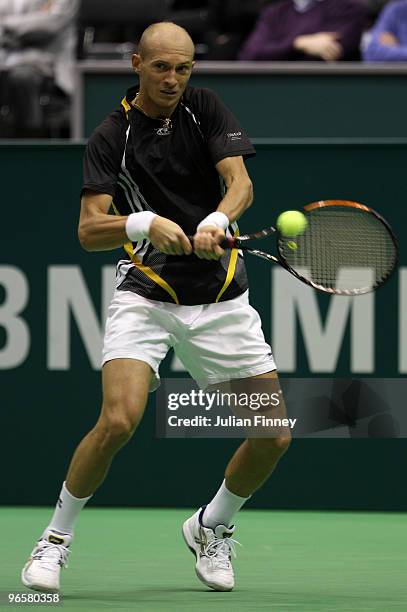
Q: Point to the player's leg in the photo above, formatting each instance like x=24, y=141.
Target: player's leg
x=241, y=358
x=256, y=458
x=125, y=390
x=208, y=533
x=136, y=341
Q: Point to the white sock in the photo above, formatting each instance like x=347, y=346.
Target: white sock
x=222, y=508
x=66, y=511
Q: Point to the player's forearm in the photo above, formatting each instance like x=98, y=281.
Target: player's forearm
x=102, y=232
x=238, y=198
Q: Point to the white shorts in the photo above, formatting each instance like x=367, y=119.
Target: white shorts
x=215, y=342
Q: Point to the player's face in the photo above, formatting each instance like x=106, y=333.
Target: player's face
x=164, y=74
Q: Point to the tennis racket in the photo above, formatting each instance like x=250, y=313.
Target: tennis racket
x=346, y=249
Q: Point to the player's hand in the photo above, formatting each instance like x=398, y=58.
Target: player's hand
x=168, y=237
x=322, y=44
x=206, y=242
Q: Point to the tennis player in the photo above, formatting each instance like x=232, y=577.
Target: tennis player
x=170, y=164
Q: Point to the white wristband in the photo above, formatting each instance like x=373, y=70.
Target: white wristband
x=216, y=218
x=138, y=225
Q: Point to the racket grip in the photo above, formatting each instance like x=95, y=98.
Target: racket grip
x=228, y=243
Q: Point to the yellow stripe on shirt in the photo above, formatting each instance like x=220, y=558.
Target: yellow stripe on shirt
x=128, y=247
x=126, y=105
x=231, y=269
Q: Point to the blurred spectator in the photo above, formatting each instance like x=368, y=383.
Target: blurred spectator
x=295, y=30
x=388, y=39
x=37, y=52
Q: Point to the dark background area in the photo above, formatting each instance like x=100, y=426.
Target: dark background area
x=45, y=413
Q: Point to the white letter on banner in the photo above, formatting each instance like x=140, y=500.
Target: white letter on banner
x=403, y=321
x=17, y=344
x=290, y=297
x=68, y=294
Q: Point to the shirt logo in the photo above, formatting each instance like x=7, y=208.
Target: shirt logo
x=234, y=135
x=166, y=129
x=163, y=131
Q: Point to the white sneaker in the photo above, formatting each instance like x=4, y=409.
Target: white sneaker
x=213, y=549
x=42, y=570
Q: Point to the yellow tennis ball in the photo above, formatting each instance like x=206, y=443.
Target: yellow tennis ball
x=292, y=245
x=291, y=223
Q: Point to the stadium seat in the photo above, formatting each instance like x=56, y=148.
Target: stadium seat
x=109, y=30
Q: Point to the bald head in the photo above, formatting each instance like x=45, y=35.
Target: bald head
x=164, y=64
x=165, y=35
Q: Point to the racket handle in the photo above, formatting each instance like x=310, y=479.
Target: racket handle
x=228, y=243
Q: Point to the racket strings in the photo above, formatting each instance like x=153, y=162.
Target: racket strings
x=342, y=249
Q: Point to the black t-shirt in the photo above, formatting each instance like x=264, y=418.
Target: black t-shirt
x=171, y=171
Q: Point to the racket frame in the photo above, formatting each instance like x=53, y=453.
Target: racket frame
x=239, y=243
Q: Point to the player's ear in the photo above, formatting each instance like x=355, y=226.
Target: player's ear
x=136, y=61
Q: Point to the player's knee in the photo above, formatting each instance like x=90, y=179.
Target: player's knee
x=115, y=432
x=271, y=446
x=117, y=426
x=282, y=443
